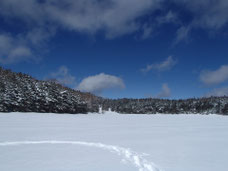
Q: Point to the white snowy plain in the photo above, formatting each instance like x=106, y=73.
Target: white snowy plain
x=113, y=142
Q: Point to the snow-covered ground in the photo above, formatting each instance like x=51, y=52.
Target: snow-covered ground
x=111, y=142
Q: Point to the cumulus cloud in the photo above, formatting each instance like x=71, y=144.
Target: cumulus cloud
x=63, y=76
x=98, y=83
x=163, y=66
x=218, y=92
x=42, y=19
x=165, y=92
x=207, y=15
x=215, y=77
x=39, y=36
x=118, y=17
x=24, y=46
x=13, y=49
x=115, y=17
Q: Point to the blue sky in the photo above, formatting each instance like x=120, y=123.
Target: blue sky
x=120, y=48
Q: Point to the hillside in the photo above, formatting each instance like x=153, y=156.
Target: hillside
x=22, y=93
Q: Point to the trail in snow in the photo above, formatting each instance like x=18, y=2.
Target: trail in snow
x=128, y=155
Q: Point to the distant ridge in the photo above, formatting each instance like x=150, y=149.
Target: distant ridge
x=209, y=105
x=23, y=93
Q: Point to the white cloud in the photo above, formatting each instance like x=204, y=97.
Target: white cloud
x=165, y=92
x=208, y=15
x=25, y=46
x=169, y=17
x=63, y=76
x=163, y=66
x=20, y=51
x=5, y=42
x=115, y=17
x=215, y=77
x=39, y=36
x=42, y=19
x=98, y=83
x=182, y=34
x=147, y=30
x=218, y=92
x=13, y=49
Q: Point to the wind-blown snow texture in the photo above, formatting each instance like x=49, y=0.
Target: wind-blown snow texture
x=50, y=142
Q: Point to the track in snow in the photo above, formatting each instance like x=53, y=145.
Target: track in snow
x=128, y=155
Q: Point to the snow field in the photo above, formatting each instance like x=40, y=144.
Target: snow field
x=49, y=142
